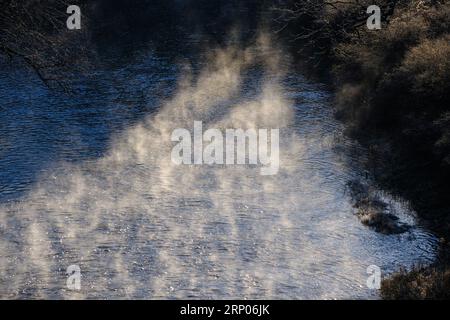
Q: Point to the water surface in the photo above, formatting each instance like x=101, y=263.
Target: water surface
x=87, y=180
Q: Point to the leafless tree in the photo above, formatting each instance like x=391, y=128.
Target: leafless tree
x=320, y=24
x=35, y=32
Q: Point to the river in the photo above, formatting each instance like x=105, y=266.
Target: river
x=86, y=179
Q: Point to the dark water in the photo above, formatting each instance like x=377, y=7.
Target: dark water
x=87, y=180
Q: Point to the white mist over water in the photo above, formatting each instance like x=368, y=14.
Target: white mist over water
x=141, y=227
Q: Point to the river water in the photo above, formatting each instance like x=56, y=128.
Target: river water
x=87, y=180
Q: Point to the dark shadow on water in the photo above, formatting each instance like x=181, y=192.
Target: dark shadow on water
x=135, y=48
x=40, y=127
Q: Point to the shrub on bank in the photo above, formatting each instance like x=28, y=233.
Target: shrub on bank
x=418, y=284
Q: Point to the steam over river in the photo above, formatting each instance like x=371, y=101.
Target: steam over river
x=87, y=180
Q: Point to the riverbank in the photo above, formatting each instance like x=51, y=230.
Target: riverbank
x=392, y=91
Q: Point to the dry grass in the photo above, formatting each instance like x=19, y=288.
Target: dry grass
x=418, y=284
